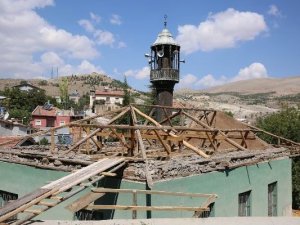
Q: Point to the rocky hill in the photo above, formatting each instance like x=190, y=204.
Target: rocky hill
x=280, y=86
x=80, y=83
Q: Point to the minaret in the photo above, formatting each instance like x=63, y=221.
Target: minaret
x=164, y=62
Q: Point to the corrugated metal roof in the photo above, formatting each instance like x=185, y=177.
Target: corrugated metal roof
x=165, y=37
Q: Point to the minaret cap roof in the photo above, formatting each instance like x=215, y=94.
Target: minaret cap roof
x=164, y=37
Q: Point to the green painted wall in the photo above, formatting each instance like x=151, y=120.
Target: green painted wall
x=22, y=179
x=227, y=185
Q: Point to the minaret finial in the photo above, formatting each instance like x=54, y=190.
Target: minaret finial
x=165, y=23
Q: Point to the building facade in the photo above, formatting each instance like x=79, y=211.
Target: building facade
x=106, y=100
x=9, y=128
x=259, y=190
x=43, y=118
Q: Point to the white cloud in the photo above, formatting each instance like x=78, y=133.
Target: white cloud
x=87, y=25
x=95, y=17
x=24, y=35
x=20, y=6
x=210, y=81
x=138, y=74
x=51, y=59
x=115, y=19
x=104, y=37
x=274, y=11
x=187, y=81
x=85, y=67
x=221, y=30
x=255, y=70
x=122, y=44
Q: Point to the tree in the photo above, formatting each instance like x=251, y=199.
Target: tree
x=64, y=91
x=127, y=97
x=285, y=123
x=20, y=104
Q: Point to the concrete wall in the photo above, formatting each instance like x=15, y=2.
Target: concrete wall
x=21, y=180
x=12, y=130
x=227, y=185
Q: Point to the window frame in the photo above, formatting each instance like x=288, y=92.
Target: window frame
x=38, y=122
x=244, y=204
x=272, y=199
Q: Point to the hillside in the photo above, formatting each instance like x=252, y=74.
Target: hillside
x=82, y=83
x=282, y=86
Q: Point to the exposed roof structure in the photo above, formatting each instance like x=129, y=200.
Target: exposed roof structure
x=204, y=140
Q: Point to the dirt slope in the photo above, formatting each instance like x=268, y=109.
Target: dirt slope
x=282, y=86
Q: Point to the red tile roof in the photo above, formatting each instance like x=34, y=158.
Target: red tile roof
x=15, y=140
x=110, y=93
x=40, y=111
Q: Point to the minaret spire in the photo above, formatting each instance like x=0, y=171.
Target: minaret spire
x=165, y=23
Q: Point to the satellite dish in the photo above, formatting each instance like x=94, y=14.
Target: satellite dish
x=6, y=116
x=160, y=53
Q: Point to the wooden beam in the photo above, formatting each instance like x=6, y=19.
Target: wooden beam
x=273, y=135
x=99, y=146
x=82, y=141
x=145, y=208
x=167, y=116
x=198, y=151
x=220, y=132
x=83, y=201
x=170, y=107
x=153, y=192
x=161, y=127
x=52, y=142
x=27, y=205
x=165, y=145
x=87, y=144
x=62, y=126
x=120, y=138
x=142, y=148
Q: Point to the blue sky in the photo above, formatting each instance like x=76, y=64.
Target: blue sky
x=222, y=41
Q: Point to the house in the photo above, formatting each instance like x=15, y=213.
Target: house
x=45, y=117
x=106, y=100
x=26, y=87
x=75, y=96
x=10, y=128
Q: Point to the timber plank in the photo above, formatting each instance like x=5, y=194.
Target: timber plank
x=22, y=201
x=84, y=201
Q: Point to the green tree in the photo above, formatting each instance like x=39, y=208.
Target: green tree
x=285, y=123
x=229, y=113
x=127, y=97
x=20, y=104
x=64, y=91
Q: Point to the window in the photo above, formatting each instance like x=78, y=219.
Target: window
x=210, y=213
x=38, y=122
x=272, y=199
x=6, y=197
x=88, y=215
x=61, y=123
x=245, y=204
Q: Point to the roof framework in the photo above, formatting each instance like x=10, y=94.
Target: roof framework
x=203, y=132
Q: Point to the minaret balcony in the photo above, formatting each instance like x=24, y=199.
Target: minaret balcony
x=164, y=74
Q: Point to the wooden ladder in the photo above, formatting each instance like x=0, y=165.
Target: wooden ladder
x=52, y=194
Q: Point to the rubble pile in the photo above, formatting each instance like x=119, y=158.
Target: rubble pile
x=191, y=165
